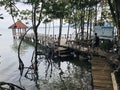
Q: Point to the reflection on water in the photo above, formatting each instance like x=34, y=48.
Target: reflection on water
x=53, y=75
x=61, y=75
x=65, y=76
x=24, y=46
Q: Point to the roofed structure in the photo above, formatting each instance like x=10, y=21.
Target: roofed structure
x=18, y=29
x=18, y=25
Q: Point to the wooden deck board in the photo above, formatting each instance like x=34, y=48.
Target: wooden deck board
x=101, y=77
x=101, y=73
x=102, y=88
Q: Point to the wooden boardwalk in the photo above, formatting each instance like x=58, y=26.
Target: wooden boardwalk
x=101, y=70
x=101, y=73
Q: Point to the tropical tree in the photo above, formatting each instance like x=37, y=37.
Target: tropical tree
x=75, y=12
x=36, y=18
x=57, y=10
x=115, y=11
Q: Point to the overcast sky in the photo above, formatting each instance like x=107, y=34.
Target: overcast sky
x=7, y=21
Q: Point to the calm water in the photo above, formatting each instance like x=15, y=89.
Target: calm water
x=67, y=75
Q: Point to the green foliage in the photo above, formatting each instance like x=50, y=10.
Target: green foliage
x=65, y=9
x=55, y=10
x=106, y=44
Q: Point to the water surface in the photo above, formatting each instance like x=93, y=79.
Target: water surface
x=65, y=75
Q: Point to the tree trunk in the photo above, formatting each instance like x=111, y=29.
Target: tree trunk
x=118, y=24
x=91, y=23
x=60, y=31
x=82, y=24
x=115, y=11
x=95, y=14
x=36, y=48
x=45, y=33
x=68, y=31
x=53, y=31
x=88, y=22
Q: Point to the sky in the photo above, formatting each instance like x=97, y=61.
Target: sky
x=7, y=21
x=4, y=23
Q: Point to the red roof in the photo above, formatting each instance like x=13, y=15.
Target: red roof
x=18, y=25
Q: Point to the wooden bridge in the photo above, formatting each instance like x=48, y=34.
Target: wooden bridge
x=103, y=78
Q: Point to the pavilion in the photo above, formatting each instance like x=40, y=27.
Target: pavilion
x=18, y=29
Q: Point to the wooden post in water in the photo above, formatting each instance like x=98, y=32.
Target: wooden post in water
x=14, y=33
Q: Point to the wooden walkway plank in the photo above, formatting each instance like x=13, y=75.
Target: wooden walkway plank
x=101, y=73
